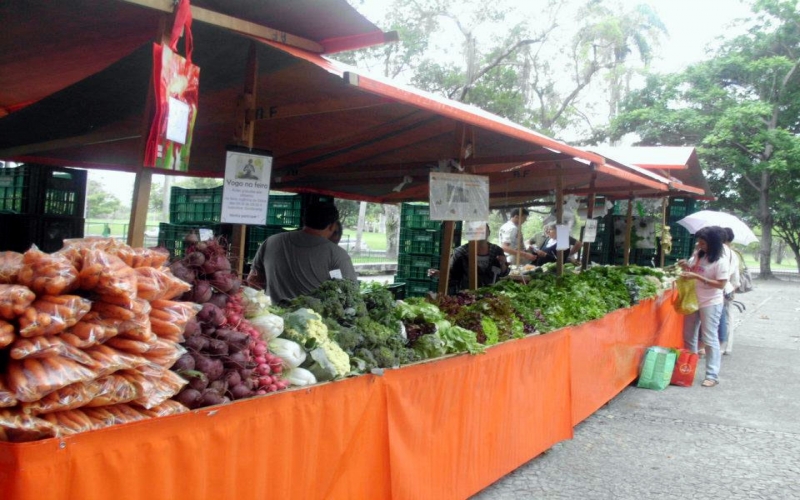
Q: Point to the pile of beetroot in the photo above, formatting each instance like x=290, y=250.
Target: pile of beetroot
x=226, y=358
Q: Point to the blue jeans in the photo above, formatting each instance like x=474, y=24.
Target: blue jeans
x=723, y=322
x=707, y=320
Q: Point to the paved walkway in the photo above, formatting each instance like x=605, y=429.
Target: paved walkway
x=739, y=440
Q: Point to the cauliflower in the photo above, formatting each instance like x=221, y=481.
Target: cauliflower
x=327, y=360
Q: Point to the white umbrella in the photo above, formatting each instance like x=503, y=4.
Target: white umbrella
x=742, y=234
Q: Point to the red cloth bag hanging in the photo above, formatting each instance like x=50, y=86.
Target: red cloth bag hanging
x=685, y=367
x=176, y=91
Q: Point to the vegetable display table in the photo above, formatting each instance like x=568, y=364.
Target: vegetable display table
x=440, y=429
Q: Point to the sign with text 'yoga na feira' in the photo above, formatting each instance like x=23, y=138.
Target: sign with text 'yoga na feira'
x=459, y=197
x=245, y=192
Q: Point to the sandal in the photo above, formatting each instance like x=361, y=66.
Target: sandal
x=709, y=382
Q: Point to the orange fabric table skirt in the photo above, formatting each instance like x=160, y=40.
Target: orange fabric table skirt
x=442, y=429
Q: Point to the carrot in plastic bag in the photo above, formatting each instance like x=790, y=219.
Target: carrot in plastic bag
x=174, y=311
x=47, y=274
x=108, y=360
x=19, y=427
x=70, y=422
x=7, y=333
x=165, y=387
x=129, y=345
x=136, y=306
x=52, y=314
x=165, y=353
x=7, y=398
x=114, y=389
x=115, y=414
x=67, y=398
x=143, y=257
x=143, y=384
x=165, y=409
x=90, y=330
x=10, y=265
x=154, y=284
x=138, y=328
x=166, y=330
x=43, y=346
x=34, y=378
x=106, y=274
x=110, y=311
x=14, y=299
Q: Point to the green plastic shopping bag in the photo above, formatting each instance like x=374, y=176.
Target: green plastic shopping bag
x=686, y=303
x=657, y=367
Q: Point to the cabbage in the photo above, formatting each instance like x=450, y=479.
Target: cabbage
x=290, y=352
x=299, y=377
x=268, y=325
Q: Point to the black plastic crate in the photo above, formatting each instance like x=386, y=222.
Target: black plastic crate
x=256, y=236
x=193, y=206
x=285, y=210
x=46, y=232
x=417, y=216
x=43, y=190
x=420, y=241
x=173, y=236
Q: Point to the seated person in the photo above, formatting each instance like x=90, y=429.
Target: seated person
x=548, y=252
x=491, y=265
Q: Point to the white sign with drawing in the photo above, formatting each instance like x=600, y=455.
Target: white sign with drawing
x=590, y=231
x=459, y=197
x=245, y=193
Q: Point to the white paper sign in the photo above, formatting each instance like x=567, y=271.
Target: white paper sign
x=459, y=197
x=245, y=193
x=177, y=120
x=590, y=231
x=474, y=230
x=562, y=237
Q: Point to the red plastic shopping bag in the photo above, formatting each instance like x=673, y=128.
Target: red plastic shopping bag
x=685, y=366
x=176, y=84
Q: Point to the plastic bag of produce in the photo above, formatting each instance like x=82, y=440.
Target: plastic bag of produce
x=129, y=346
x=67, y=398
x=687, y=302
x=10, y=265
x=71, y=422
x=165, y=409
x=168, y=318
x=52, y=314
x=7, y=398
x=7, y=334
x=47, y=345
x=142, y=257
x=34, y=378
x=107, y=360
x=114, y=389
x=164, y=353
x=90, y=330
x=18, y=427
x=154, y=284
x=164, y=387
x=14, y=300
x=47, y=274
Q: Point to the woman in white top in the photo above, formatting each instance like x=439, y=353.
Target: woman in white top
x=725, y=323
x=710, y=271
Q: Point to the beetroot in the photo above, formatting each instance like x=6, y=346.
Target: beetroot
x=216, y=263
x=233, y=378
x=218, y=386
x=211, y=314
x=195, y=259
x=201, y=292
x=240, y=391
x=198, y=383
x=234, y=337
x=213, y=368
x=180, y=271
x=196, y=343
x=192, y=328
x=218, y=299
x=217, y=347
x=185, y=362
x=238, y=360
x=222, y=281
x=189, y=398
x=210, y=398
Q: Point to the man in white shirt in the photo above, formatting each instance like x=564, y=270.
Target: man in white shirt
x=511, y=241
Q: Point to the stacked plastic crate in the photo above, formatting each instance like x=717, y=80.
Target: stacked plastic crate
x=419, y=249
x=682, y=239
x=192, y=213
x=41, y=205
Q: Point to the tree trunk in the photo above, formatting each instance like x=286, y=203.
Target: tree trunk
x=765, y=271
x=779, y=251
x=392, y=229
x=362, y=215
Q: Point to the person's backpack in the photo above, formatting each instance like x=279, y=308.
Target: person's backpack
x=745, y=279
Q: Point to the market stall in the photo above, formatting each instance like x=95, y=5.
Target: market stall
x=445, y=428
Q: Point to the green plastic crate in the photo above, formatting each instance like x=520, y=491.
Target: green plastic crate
x=193, y=206
x=15, y=190
x=417, y=216
x=420, y=241
x=420, y=288
x=416, y=266
x=43, y=190
x=285, y=210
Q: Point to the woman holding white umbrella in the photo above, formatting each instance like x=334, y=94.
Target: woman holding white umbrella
x=710, y=272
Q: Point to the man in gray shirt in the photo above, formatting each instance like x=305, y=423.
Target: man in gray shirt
x=298, y=262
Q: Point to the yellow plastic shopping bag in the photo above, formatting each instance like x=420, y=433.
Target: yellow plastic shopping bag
x=686, y=303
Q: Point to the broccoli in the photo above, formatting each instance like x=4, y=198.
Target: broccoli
x=379, y=301
x=348, y=338
x=365, y=355
x=384, y=357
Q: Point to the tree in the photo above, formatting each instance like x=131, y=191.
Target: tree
x=741, y=109
x=100, y=203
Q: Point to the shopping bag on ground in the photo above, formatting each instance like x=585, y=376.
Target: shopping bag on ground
x=657, y=367
x=685, y=366
x=686, y=303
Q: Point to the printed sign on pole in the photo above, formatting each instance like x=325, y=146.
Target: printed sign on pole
x=459, y=197
x=474, y=230
x=245, y=193
x=590, y=231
